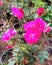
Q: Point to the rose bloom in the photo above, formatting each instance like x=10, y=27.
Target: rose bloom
x=48, y=29
x=5, y=38
x=32, y=37
x=18, y=12
x=1, y=3
x=40, y=11
x=37, y=24
x=28, y=25
x=8, y=34
x=34, y=30
x=9, y=47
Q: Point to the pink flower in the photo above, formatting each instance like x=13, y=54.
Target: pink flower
x=40, y=24
x=28, y=25
x=40, y=11
x=5, y=38
x=12, y=32
x=9, y=47
x=48, y=28
x=8, y=34
x=1, y=3
x=34, y=30
x=37, y=24
x=18, y=12
x=32, y=37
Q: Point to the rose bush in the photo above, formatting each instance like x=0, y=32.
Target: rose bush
x=26, y=37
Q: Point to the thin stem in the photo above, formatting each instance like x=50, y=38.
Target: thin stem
x=24, y=20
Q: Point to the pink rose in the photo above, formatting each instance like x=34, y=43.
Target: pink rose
x=18, y=12
x=32, y=37
x=9, y=47
x=33, y=30
x=48, y=28
x=37, y=24
x=40, y=11
x=8, y=34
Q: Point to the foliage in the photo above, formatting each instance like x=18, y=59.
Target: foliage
x=23, y=53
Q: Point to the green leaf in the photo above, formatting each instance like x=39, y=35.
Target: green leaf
x=51, y=24
x=11, y=62
x=20, y=57
x=50, y=13
x=41, y=58
x=46, y=18
x=43, y=55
